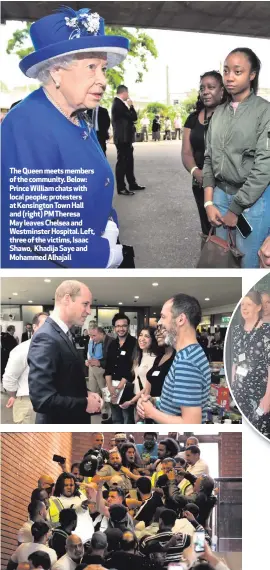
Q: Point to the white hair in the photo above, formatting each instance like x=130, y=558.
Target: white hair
x=42, y=71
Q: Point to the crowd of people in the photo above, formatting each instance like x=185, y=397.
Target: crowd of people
x=146, y=506
x=161, y=377
x=248, y=359
x=225, y=142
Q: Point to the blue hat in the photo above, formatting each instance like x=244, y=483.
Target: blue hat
x=69, y=32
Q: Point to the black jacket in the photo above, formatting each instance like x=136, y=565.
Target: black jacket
x=56, y=378
x=123, y=119
x=104, y=122
x=25, y=336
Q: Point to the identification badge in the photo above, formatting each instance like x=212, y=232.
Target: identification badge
x=241, y=371
x=115, y=383
x=242, y=357
x=123, y=352
x=156, y=373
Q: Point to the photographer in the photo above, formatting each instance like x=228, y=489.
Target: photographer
x=202, y=496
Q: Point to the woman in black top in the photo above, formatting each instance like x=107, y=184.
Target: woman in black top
x=210, y=96
x=162, y=364
x=251, y=364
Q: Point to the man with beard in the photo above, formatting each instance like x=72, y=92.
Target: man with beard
x=186, y=388
x=148, y=450
x=112, y=468
x=97, y=442
x=73, y=556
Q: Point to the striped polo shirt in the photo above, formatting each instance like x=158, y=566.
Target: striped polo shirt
x=187, y=382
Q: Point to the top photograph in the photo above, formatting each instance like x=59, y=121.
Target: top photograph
x=121, y=151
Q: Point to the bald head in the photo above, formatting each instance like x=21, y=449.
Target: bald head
x=73, y=302
x=74, y=547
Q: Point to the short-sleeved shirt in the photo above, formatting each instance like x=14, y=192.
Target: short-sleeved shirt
x=187, y=383
x=24, y=550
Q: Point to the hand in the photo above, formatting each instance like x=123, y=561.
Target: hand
x=189, y=516
x=125, y=470
x=10, y=402
x=208, y=555
x=140, y=406
x=126, y=405
x=94, y=403
x=265, y=404
x=230, y=219
x=87, y=362
x=214, y=216
x=63, y=467
x=147, y=408
x=129, y=102
x=198, y=175
x=171, y=475
x=265, y=251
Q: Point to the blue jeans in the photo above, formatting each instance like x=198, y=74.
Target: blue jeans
x=257, y=215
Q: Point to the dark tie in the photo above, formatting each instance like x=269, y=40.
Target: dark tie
x=70, y=337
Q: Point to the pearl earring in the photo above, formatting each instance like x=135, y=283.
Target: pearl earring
x=57, y=85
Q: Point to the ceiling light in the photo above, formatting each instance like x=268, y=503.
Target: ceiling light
x=120, y=303
x=136, y=297
x=105, y=305
x=155, y=284
x=154, y=313
x=30, y=301
x=15, y=294
x=207, y=299
x=47, y=280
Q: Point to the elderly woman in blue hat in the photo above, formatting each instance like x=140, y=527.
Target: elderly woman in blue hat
x=57, y=184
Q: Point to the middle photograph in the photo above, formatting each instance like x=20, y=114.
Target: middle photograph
x=116, y=350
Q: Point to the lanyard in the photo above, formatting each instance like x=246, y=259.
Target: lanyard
x=249, y=336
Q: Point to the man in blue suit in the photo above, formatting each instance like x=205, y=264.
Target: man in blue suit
x=57, y=385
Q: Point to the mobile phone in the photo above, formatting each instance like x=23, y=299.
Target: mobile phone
x=199, y=539
x=59, y=459
x=243, y=226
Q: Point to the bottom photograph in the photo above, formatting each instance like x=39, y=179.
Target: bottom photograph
x=122, y=500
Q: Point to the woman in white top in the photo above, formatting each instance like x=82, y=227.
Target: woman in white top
x=40, y=531
x=147, y=351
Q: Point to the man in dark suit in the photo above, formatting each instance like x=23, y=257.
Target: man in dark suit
x=123, y=118
x=101, y=122
x=28, y=332
x=57, y=385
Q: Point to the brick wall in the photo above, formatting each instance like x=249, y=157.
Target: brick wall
x=25, y=457
x=230, y=455
x=81, y=442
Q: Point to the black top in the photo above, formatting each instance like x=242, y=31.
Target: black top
x=93, y=559
x=123, y=119
x=148, y=508
x=157, y=374
x=58, y=541
x=120, y=359
x=156, y=125
x=196, y=138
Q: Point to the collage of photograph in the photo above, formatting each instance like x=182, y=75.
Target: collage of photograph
x=135, y=285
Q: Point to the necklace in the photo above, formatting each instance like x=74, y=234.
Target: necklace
x=73, y=120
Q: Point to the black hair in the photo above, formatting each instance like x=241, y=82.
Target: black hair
x=218, y=77
x=154, y=433
x=36, y=495
x=40, y=558
x=117, y=490
x=188, y=305
x=181, y=460
x=59, y=485
x=37, y=316
x=171, y=445
x=11, y=328
x=168, y=517
x=67, y=516
x=207, y=485
x=81, y=566
x=126, y=544
x=158, y=512
x=121, y=89
x=193, y=509
x=255, y=65
x=75, y=465
x=28, y=325
x=39, y=529
x=123, y=449
x=34, y=507
x=114, y=536
x=120, y=317
x=144, y=485
x=194, y=449
x=154, y=348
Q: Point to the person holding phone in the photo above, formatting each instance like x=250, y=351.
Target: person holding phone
x=236, y=172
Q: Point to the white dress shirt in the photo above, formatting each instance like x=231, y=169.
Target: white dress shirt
x=15, y=377
x=65, y=563
x=54, y=316
x=200, y=468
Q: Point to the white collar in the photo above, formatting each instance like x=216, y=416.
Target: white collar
x=125, y=103
x=59, y=322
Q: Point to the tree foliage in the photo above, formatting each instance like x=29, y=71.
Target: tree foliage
x=141, y=47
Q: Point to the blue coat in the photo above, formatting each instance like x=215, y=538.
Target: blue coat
x=36, y=136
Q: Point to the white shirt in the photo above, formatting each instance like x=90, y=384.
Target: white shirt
x=15, y=377
x=141, y=370
x=168, y=124
x=125, y=102
x=199, y=468
x=59, y=322
x=145, y=122
x=85, y=527
x=24, y=550
x=177, y=123
x=65, y=563
x=25, y=534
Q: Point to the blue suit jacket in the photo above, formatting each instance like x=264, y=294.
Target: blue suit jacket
x=38, y=137
x=57, y=385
